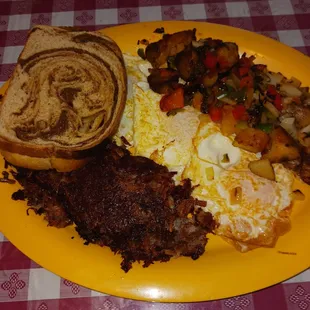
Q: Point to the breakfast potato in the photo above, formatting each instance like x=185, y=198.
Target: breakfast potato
x=227, y=55
x=209, y=79
x=228, y=124
x=282, y=147
x=185, y=63
x=252, y=140
x=197, y=100
x=262, y=168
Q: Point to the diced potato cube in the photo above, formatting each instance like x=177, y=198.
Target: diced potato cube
x=228, y=121
x=251, y=140
x=197, y=100
x=204, y=118
x=283, y=147
x=262, y=168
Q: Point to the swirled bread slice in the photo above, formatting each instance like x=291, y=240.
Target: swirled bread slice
x=67, y=95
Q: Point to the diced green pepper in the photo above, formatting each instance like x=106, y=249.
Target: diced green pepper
x=238, y=95
x=230, y=89
x=265, y=127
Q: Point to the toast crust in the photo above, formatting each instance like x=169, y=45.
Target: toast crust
x=39, y=163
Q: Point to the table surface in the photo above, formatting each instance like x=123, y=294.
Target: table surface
x=24, y=285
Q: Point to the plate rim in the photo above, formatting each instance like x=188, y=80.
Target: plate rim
x=162, y=297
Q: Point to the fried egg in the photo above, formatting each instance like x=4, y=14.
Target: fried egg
x=189, y=144
x=165, y=139
x=218, y=169
x=151, y=133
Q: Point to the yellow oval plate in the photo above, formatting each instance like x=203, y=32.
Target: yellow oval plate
x=222, y=271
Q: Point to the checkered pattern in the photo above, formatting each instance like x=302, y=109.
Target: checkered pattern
x=284, y=20
x=26, y=286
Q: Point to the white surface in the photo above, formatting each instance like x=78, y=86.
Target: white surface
x=237, y=9
x=281, y=7
x=194, y=11
x=303, y=277
x=63, y=18
x=19, y=22
x=150, y=13
x=291, y=37
x=43, y=285
x=97, y=294
x=106, y=16
x=11, y=54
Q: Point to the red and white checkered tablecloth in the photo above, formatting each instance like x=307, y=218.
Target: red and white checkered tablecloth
x=26, y=286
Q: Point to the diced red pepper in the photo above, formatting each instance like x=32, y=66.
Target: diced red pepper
x=243, y=71
x=216, y=113
x=172, y=101
x=210, y=60
x=271, y=90
x=246, y=81
x=240, y=113
x=223, y=62
x=278, y=102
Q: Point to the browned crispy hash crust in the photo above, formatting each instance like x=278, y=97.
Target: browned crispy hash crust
x=127, y=203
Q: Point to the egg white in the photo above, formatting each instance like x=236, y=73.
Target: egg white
x=264, y=204
x=137, y=71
